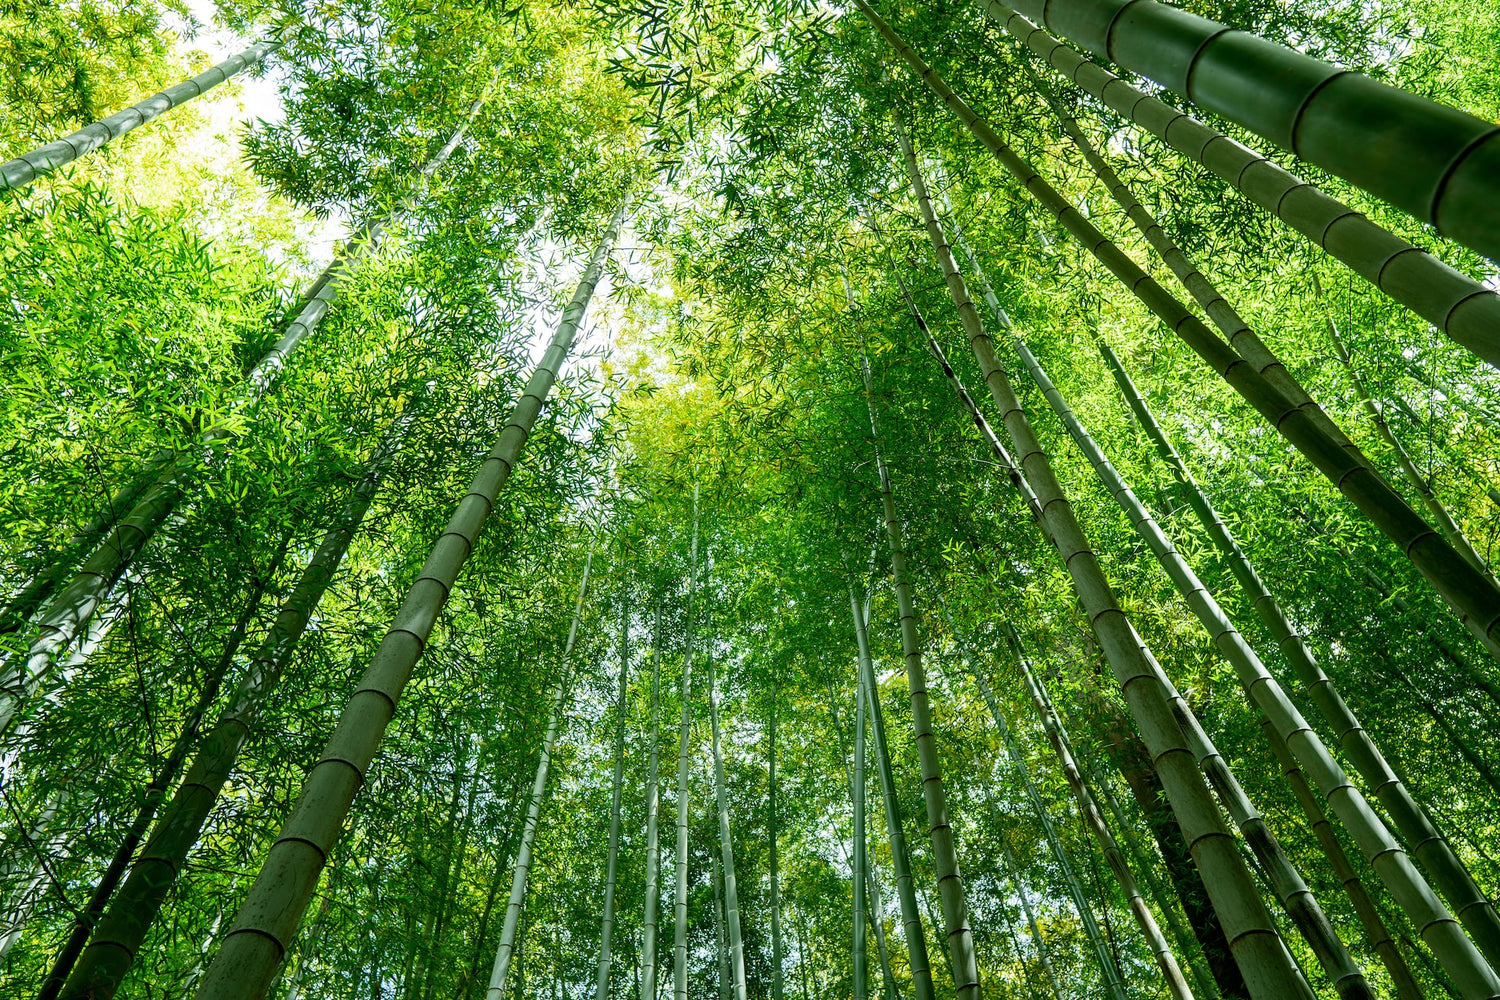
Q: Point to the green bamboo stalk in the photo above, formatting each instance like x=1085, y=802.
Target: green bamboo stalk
x=777, y=958
x=653, y=834
x=726, y=849
x=71, y=609
x=964, y=964
x=1423, y=839
x=721, y=951
x=606, y=932
x=1474, y=597
x=911, y=919
x=857, y=793
x=505, y=951
x=1436, y=924
x=1253, y=938
x=1461, y=307
x=684, y=753
x=117, y=937
x=268, y=919
x=27, y=167
x=1431, y=160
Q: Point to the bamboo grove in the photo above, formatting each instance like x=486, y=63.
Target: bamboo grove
x=771, y=500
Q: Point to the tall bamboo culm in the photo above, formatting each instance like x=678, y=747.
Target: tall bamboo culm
x=653, y=832
x=1256, y=946
x=607, y=923
x=726, y=849
x=684, y=760
x=257, y=941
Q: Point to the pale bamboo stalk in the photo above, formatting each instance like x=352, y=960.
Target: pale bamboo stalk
x=1255, y=943
x=267, y=920
x=653, y=834
x=684, y=752
x=1424, y=840
x=911, y=919
x=857, y=793
x=30, y=873
x=721, y=951
x=1437, y=926
x=71, y=609
x=1472, y=596
x=21, y=171
x=726, y=849
x=607, y=921
x=505, y=951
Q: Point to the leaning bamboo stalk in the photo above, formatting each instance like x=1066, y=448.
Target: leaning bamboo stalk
x=1254, y=941
x=267, y=920
x=1409, y=470
x=607, y=921
x=505, y=951
x=917, y=960
x=1461, y=307
x=1423, y=839
x=1431, y=160
x=1473, y=597
x=71, y=609
x=963, y=961
x=27, y=167
x=1435, y=923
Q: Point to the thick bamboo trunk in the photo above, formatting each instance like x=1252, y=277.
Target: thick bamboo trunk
x=1472, y=595
x=607, y=922
x=156, y=790
x=1424, y=840
x=72, y=608
x=653, y=833
x=1475, y=979
x=726, y=850
x=1461, y=307
x=964, y=964
x=111, y=951
x=777, y=957
x=684, y=753
x=906, y=895
x=27, y=167
x=1434, y=161
x=256, y=942
x=1252, y=936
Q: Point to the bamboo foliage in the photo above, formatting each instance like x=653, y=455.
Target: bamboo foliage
x=1431, y=160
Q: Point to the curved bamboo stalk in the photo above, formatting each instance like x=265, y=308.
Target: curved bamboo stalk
x=1435, y=923
x=917, y=961
x=1256, y=946
x=1434, y=161
x=1474, y=597
x=963, y=962
x=27, y=167
x=71, y=609
x=257, y=941
x=1423, y=839
x=1461, y=307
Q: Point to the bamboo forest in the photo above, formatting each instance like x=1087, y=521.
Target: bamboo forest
x=778, y=499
